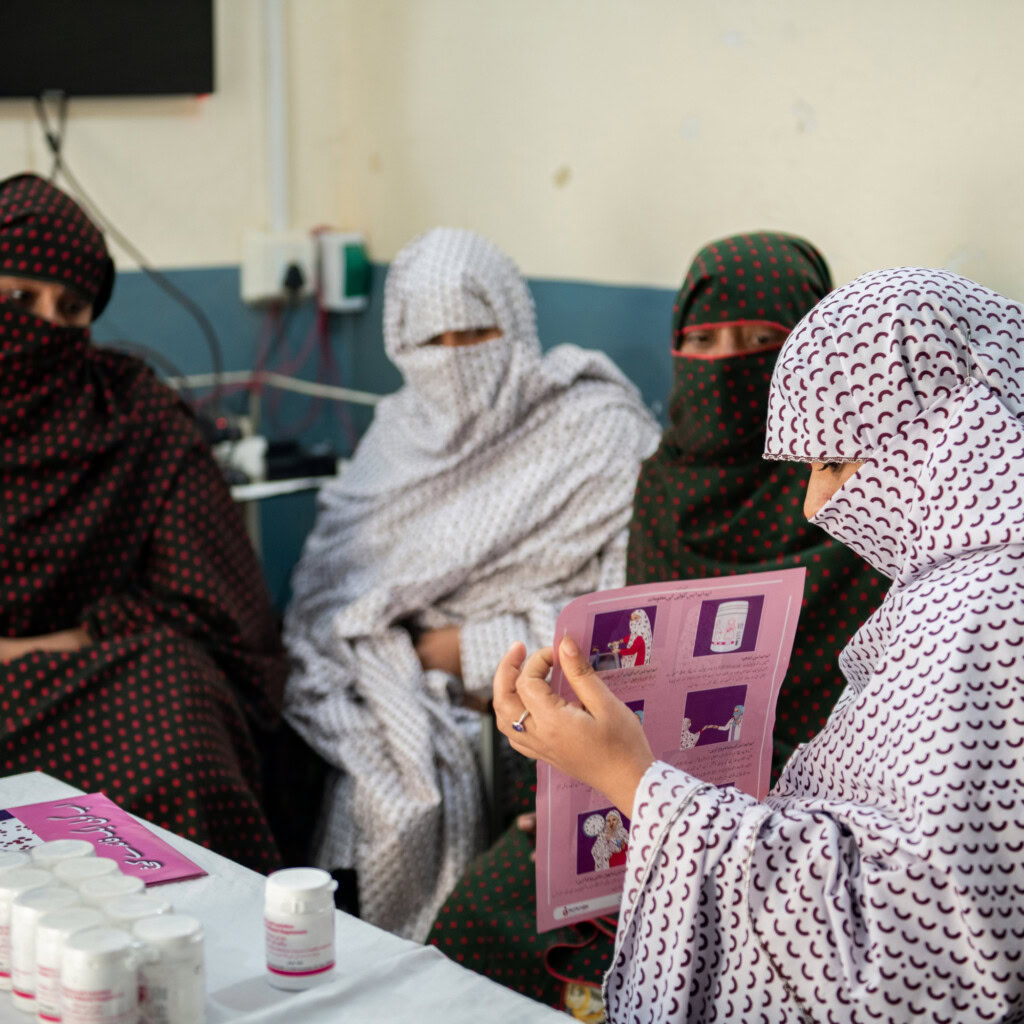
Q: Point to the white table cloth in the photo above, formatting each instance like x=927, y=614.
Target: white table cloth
x=378, y=978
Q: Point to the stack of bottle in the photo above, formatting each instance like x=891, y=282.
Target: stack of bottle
x=82, y=943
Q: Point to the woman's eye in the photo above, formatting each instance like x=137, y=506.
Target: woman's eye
x=18, y=295
x=765, y=339
x=696, y=340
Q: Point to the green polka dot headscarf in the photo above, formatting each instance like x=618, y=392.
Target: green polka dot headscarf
x=765, y=277
x=706, y=502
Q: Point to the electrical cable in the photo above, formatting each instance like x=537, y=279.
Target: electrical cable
x=55, y=142
x=157, y=359
x=54, y=137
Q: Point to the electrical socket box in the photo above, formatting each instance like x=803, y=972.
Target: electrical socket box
x=344, y=272
x=266, y=257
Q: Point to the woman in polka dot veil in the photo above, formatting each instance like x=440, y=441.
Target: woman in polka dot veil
x=706, y=504
x=882, y=877
x=138, y=649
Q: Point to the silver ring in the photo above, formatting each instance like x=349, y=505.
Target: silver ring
x=518, y=723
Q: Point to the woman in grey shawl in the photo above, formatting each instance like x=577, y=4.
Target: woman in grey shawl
x=491, y=489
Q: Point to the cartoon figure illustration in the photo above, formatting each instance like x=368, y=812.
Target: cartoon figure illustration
x=688, y=738
x=637, y=707
x=610, y=839
x=732, y=726
x=633, y=649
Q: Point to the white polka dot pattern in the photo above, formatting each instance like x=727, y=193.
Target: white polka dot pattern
x=882, y=880
x=490, y=490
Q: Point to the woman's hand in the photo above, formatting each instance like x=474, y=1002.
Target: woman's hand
x=65, y=640
x=439, y=648
x=527, y=824
x=598, y=741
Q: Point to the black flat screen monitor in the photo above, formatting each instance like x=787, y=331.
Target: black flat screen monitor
x=107, y=47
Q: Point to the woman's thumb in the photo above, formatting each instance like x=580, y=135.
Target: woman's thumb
x=581, y=675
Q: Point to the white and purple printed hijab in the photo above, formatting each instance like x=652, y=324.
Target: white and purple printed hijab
x=883, y=878
x=920, y=373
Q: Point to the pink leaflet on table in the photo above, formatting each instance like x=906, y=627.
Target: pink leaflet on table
x=114, y=833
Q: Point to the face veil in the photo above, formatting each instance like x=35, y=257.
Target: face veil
x=707, y=504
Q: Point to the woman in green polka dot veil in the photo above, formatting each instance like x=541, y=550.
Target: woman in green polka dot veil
x=706, y=504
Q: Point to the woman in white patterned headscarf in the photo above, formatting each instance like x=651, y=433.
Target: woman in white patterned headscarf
x=635, y=649
x=491, y=489
x=883, y=878
x=611, y=838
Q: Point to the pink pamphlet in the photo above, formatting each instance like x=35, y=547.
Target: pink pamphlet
x=114, y=833
x=700, y=663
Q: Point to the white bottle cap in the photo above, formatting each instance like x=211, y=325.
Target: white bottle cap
x=13, y=859
x=46, y=898
x=74, y=872
x=173, y=934
x=299, y=890
x=58, y=924
x=48, y=854
x=122, y=910
x=21, y=879
x=92, y=948
x=96, y=891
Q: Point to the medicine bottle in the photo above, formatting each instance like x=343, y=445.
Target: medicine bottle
x=74, y=872
x=52, y=931
x=96, y=891
x=299, y=925
x=730, y=622
x=26, y=910
x=99, y=978
x=13, y=883
x=48, y=855
x=123, y=911
x=171, y=973
x=13, y=859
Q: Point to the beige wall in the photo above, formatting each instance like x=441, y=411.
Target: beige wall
x=594, y=139
x=606, y=139
x=183, y=178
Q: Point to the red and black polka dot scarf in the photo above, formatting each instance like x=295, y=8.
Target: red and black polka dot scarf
x=46, y=236
x=115, y=518
x=707, y=504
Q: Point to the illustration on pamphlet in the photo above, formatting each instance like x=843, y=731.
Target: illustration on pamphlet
x=727, y=626
x=602, y=840
x=700, y=663
x=623, y=639
x=716, y=714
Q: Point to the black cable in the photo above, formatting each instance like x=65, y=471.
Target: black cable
x=54, y=137
x=55, y=142
x=157, y=359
